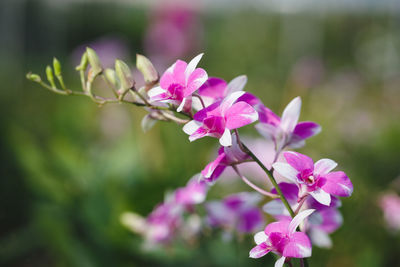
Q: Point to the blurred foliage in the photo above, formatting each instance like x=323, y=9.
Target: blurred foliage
x=69, y=169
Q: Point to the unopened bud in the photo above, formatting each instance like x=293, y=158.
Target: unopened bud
x=50, y=76
x=84, y=62
x=57, y=67
x=124, y=75
x=94, y=61
x=33, y=77
x=145, y=66
x=112, y=78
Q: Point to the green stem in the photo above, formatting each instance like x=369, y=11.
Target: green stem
x=271, y=178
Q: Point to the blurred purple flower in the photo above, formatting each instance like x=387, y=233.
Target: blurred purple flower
x=174, y=31
x=390, y=205
x=236, y=212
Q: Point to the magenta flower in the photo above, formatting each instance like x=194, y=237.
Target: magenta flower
x=236, y=212
x=324, y=221
x=316, y=180
x=227, y=156
x=178, y=83
x=218, y=119
x=282, y=239
x=286, y=131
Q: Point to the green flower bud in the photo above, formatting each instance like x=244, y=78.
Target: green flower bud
x=94, y=61
x=57, y=67
x=145, y=66
x=50, y=76
x=84, y=62
x=112, y=78
x=33, y=77
x=124, y=74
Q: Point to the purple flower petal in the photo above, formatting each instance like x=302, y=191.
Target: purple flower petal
x=306, y=129
x=338, y=184
x=299, y=161
x=324, y=166
x=291, y=115
x=259, y=251
x=239, y=115
x=277, y=227
x=286, y=170
x=299, y=246
x=214, y=88
x=196, y=79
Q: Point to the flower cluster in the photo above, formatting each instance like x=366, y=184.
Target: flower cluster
x=209, y=106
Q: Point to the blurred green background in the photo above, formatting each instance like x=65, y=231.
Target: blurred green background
x=69, y=168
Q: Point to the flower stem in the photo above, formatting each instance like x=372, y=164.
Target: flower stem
x=259, y=190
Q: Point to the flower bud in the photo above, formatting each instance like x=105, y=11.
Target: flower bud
x=50, y=76
x=57, y=67
x=94, y=61
x=124, y=75
x=145, y=66
x=84, y=62
x=33, y=77
x=112, y=78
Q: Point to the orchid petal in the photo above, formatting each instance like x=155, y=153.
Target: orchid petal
x=260, y=237
x=324, y=166
x=239, y=115
x=191, y=127
x=299, y=246
x=277, y=227
x=210, y=168
x=180, y=107
x=321, y=196
x=280, y=262
x=226, y=138
x=196, y=80
x=267, y=130
x=199, y=133
x=275, y=207
x=147, y=122
x=291, y=115
x=230, y=100
x=192, y=66
x=338, y=184
x=306, y=129
x=299, y=161
x=156, y=94
x=286, y=170
x=237, y=84
x=320, y=238
x=259, y=251
x=299, y=218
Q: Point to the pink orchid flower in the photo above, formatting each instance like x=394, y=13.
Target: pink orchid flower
x=324, y=221
x=286, y=131
x=227, y=156
x=178, y=83
x=218, y=119
x=282, y=239
x=316, y=180
x=238, y=212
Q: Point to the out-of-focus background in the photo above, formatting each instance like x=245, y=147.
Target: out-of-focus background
x=69, y=168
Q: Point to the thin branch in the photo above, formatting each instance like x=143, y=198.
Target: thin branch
x=259, y=190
